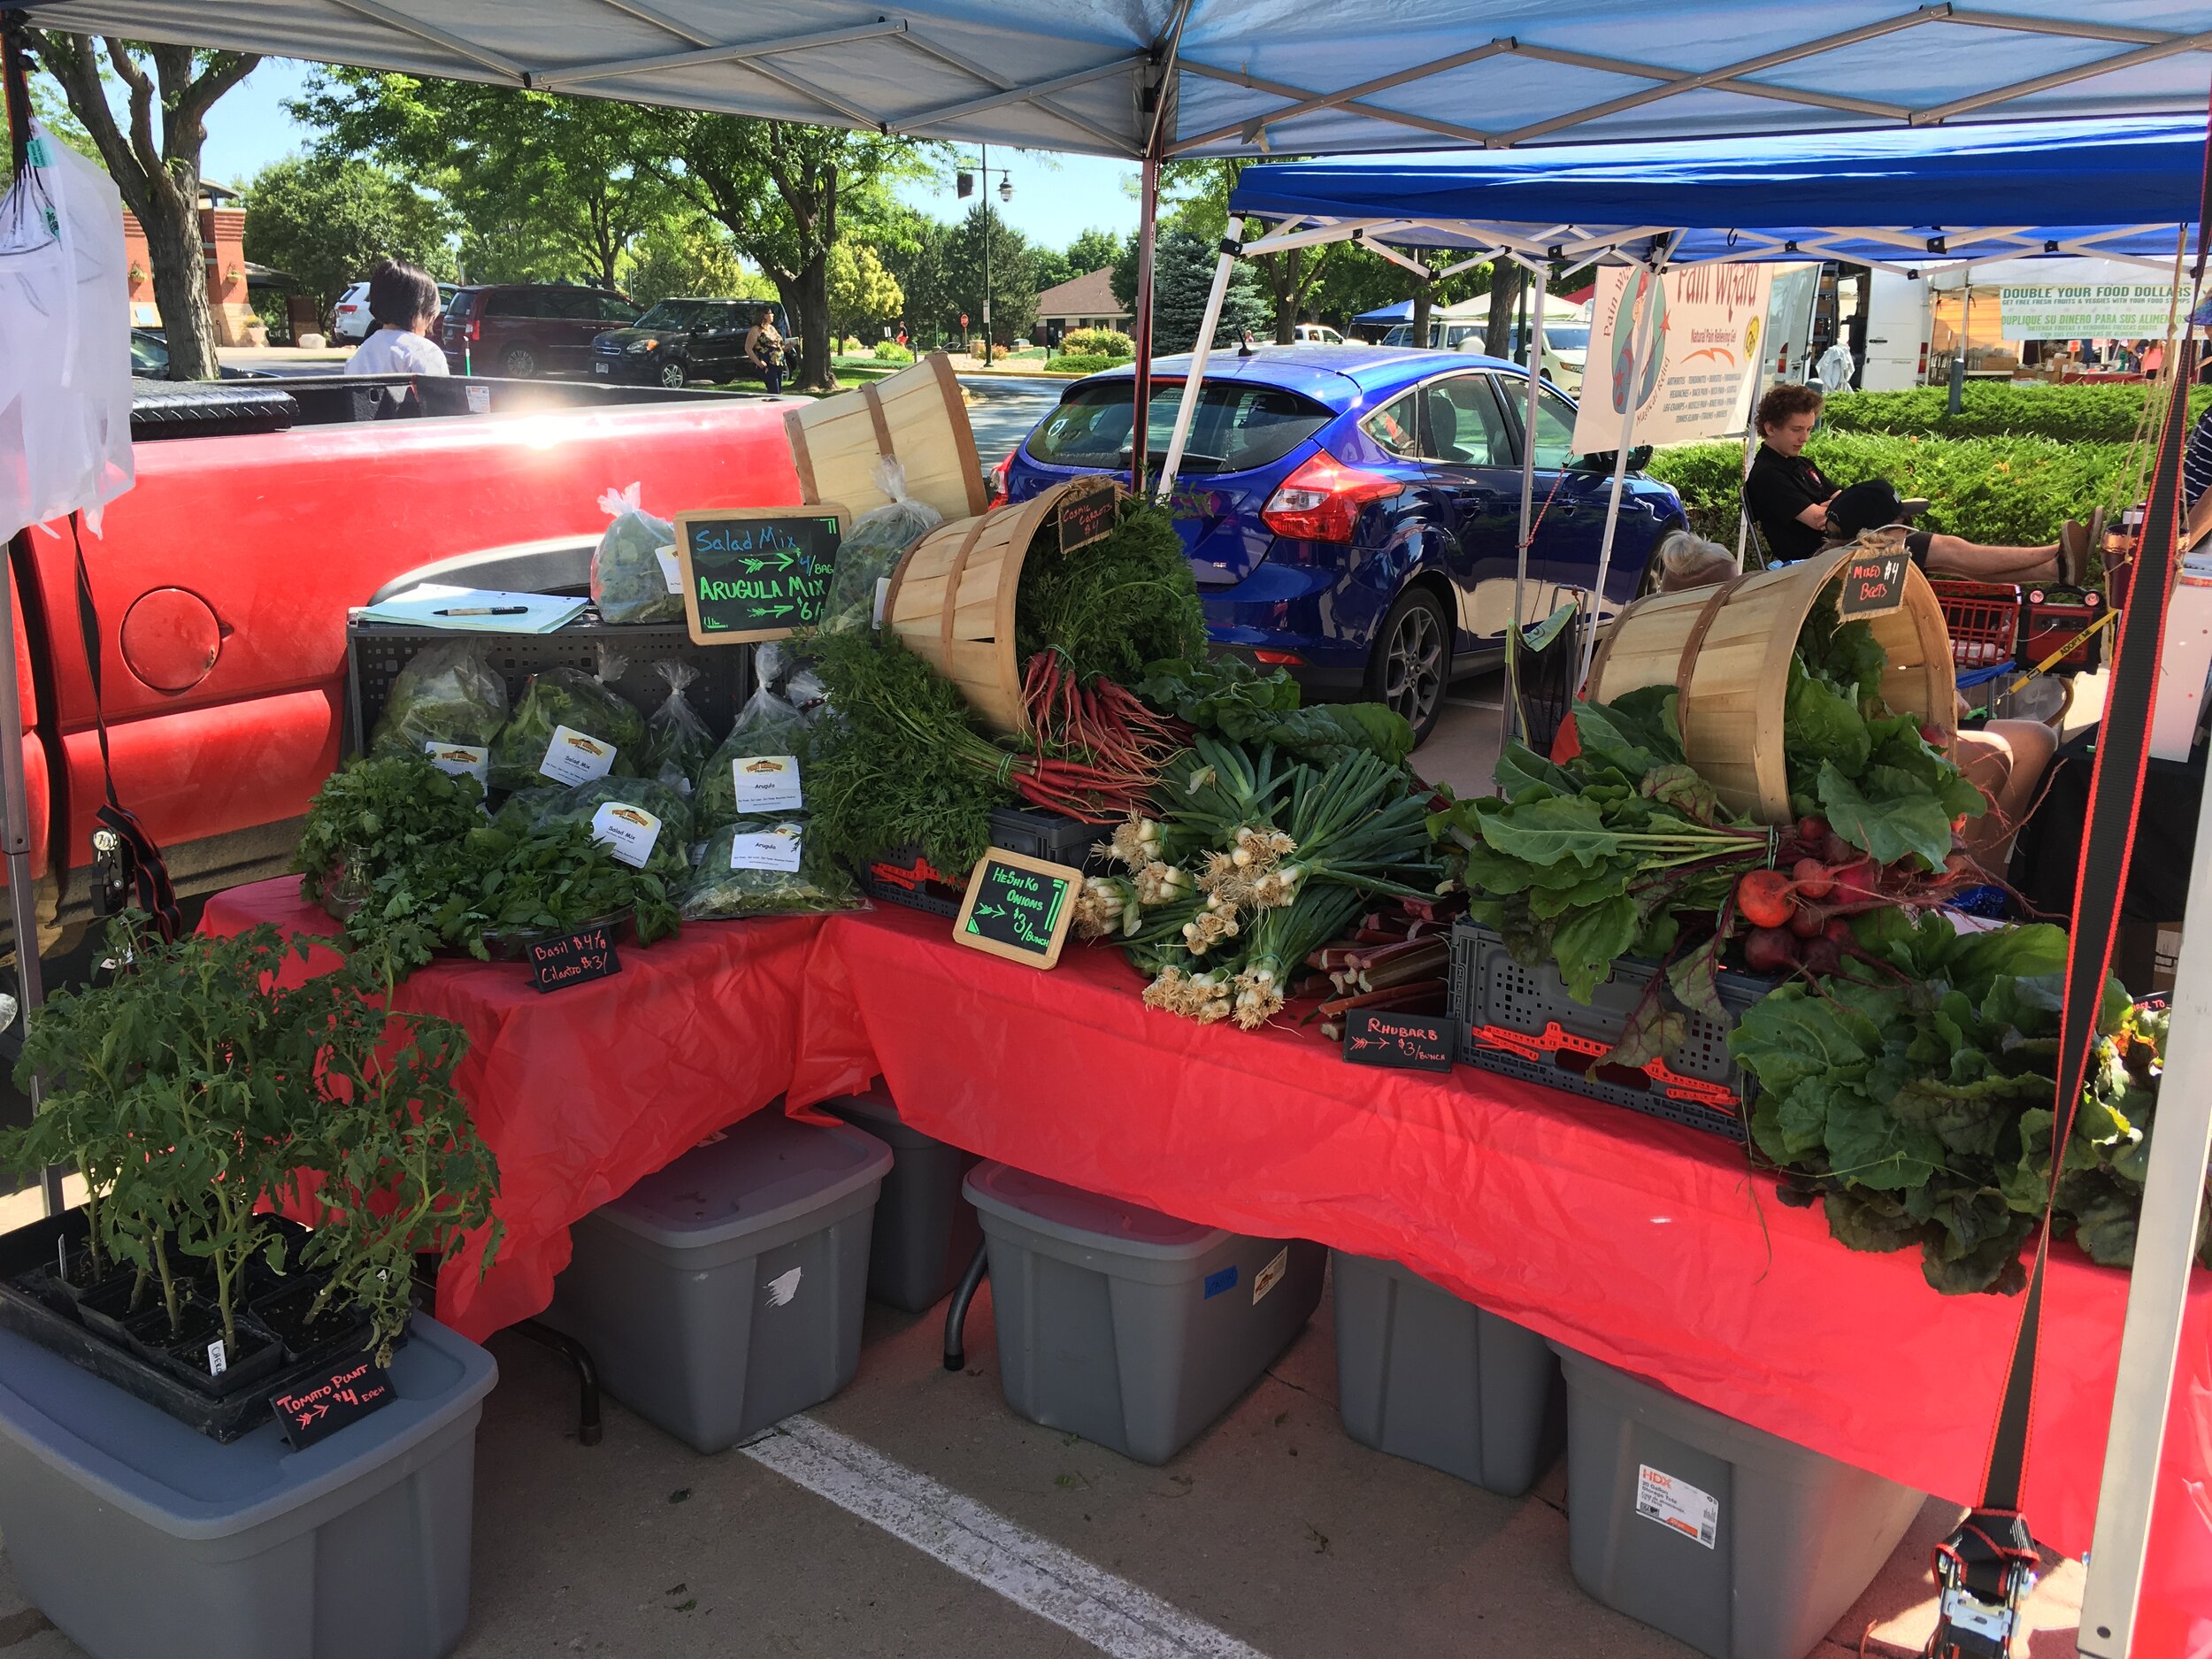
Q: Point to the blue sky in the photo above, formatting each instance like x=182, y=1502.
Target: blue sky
x=1056, y=197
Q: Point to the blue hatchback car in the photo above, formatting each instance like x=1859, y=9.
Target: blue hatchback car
x=1351, y=512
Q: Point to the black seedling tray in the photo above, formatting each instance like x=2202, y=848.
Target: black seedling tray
x=34, y=1304
x=902, y=876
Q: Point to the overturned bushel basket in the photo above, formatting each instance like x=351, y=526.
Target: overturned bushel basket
x=1727, y=651
x=952, y=602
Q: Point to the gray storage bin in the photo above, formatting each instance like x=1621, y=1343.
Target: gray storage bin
x=138, y=1536
x=1422, y=1374
x=926, y=1231
x=1127, y=1326
x=726, y=1292
x=1766, y=1546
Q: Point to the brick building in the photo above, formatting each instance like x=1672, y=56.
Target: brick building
x=223, y=244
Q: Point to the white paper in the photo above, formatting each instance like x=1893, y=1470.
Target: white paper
x=1687, y=1509
x=1272, y=1275
x=766, y=849
x=671, y=573
x=629, y=830
x=217, y=1358
x=480, y=399
x=883, y=597
x=418, y=607
x=767, y=783
x=461, y=760
x=574, y=757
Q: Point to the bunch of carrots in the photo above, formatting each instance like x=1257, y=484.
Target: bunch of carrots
x=1098, y=750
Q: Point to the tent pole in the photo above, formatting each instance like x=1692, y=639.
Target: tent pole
x=1643, y=334
x=1540, y=279
x=1743, y=510
x=15, y=812
x=1147, y=230
x=1187, y=406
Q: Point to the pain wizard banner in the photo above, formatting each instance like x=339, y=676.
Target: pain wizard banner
x=1702, y=367
x=2084, y=310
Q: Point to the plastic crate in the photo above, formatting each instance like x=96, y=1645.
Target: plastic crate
x=1521, y=1022
x=902, y=876
x=376, y=651
x=1550, y=678
x=2056, y=620
x=1984, y=619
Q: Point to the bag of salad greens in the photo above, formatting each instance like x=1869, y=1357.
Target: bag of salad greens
x=447, y=703
x=568, y=728
x=762, y=866
x=754, y=772
x=677, y=741
x=631, y=580
x=870, y=551
x=647, y=824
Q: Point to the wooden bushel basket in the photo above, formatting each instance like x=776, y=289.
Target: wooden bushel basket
x=1727, y=651
x=918, y=416
x=952, y=600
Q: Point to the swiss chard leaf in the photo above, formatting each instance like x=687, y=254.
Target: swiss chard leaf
x=1910, y=825
x=1822, y=726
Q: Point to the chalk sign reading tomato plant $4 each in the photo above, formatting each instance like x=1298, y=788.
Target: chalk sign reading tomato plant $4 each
x=751, y=573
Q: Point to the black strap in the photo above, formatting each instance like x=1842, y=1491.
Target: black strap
x=145, y=872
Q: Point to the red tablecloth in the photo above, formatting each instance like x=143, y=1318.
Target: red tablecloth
x=582, y=1092
x=1649, y=1246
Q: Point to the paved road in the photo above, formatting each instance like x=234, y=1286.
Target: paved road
x=1002, y=409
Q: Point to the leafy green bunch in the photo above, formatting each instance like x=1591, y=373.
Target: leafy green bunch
x=1913, y=1096
x=377, y=816
x=195, y=1088
x=1124, y=600
x=1231, y=697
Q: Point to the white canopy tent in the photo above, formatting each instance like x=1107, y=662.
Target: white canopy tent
x=1155, y=79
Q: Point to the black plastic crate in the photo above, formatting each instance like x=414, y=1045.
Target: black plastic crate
x=902, y=876
x=376, y=651
x=1521, y=1022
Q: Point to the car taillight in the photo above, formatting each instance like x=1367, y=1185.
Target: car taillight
x=1321, y=501
x=998, y=477
x=473, y=330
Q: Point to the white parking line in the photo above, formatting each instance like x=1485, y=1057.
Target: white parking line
x=1111, y=1614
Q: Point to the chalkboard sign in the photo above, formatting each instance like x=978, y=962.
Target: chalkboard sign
x=574, y=959
x=1873, y=583
x=755, y=573
x=1017, y=907
x=348, y=1392
x=1417, y=1042
x=1089, y=515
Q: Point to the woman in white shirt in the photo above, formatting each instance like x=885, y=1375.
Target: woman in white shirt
x=404, y=302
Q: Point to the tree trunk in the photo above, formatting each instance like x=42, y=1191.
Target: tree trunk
x=1505, y=288
x=178, y=266
x=1424, y=292
x=805, y=296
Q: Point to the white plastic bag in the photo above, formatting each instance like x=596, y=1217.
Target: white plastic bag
x=870, y=553
x=631, y=581
x=64, y=340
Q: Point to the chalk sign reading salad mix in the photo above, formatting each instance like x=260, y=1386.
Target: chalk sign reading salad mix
x=756, y=573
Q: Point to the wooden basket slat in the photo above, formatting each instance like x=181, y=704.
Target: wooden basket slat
x=835, y=442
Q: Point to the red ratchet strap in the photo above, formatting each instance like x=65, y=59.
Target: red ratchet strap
x=1555, y=1038
x=1986, y=1567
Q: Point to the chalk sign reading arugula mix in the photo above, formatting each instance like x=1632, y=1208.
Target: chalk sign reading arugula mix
x=756, y=573
x=1017, y=907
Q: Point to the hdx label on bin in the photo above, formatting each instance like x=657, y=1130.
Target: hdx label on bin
x=1678, y=1504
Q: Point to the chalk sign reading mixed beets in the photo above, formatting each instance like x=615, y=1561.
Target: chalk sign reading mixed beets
x=345, y=1393
x=1873, y=584
x=1017, y=907
x=752, y=574
x=1418, y=1042
x=577, y=957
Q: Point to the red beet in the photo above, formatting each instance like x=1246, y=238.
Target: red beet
x=1807, y=922
x=1812, y=831
x=1771, y=950
x=1836, y=850
x=1839, y=932
x=1763, y=898
x=1813, y=880
x=1823, y=955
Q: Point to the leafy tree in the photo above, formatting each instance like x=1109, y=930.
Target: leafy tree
x=329, y=222
x=915, y=249
x=777, y=188
x=1013, y=284
x=1092, y=251
x=158, y=177
x=1182, y=279
x=547, y=185
x=861, y=294
x=680, y=257
x=1048, y=267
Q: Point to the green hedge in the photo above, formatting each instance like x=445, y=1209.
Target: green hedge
x=2071, y=414
x=1104, y=343
x=892, y=351
x=1083, y=362
x=2008, y=491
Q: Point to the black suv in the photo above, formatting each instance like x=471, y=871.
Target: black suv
x=680, y=340
x=525, y=329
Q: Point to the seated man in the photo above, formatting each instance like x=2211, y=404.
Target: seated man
x=1790, y=502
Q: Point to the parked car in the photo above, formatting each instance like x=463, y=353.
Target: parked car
x=1351, y=512
x=523, y=329
x=1566, y=349
x=1444, y=335
x=149, y=359
x=1303, y=334
x=679, y=341
x=349, y=317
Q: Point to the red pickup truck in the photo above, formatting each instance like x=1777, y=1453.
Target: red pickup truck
x=262, y=511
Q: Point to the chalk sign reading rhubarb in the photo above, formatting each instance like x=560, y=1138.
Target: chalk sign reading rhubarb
x=752, y=574
x=1418, y=1042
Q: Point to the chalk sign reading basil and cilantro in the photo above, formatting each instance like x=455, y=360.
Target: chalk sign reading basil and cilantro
x=1017, y=907
x=756, y=573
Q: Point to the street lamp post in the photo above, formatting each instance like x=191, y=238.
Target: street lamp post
x=961, y=184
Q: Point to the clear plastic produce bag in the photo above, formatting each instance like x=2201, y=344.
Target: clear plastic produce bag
x=568, y=728
x=646, y=824
x=764, y=866
x=677, y=741
x=631, y=580
x=446, y=698
x=767, y=727
x=872, y=549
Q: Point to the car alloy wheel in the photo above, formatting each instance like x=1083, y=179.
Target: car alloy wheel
x=673, y=376
x=1415, y=657
x=519, y=363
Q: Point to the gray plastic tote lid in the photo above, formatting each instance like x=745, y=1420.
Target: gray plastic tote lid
x=1070, y=1211
x=753, y=1175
